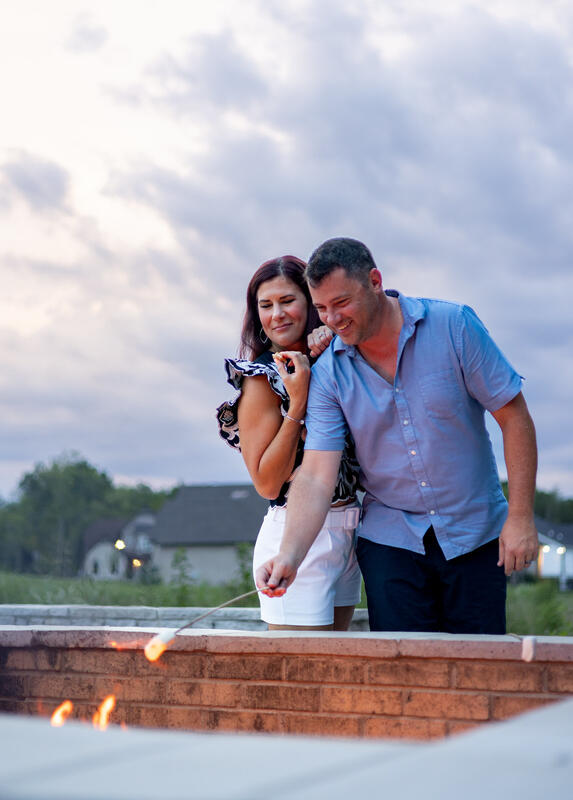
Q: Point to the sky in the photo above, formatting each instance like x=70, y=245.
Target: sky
x=152, y=155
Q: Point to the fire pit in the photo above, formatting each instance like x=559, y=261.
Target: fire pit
x=359, y=685
x=77, y=762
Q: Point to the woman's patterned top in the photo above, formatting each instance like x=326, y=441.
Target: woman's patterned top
x=227, y=416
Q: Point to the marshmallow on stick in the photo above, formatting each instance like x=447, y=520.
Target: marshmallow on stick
x=156, y=646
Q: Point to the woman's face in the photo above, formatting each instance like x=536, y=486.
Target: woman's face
x=283, y=311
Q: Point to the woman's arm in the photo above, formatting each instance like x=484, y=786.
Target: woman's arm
x=268, y=440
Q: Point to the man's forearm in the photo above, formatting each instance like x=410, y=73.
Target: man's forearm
x=518, y=538
x=308, y=503
x=307, y=506
x=520, y=452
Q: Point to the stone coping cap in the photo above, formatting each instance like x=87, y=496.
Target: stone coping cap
x=57, y=609
x=378, y=645
x=60, y=614
x=527, y=757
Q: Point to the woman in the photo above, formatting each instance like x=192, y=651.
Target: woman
x=266, y=422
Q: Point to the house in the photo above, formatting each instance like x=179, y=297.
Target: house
x=555, y=558
x=115, y=547
x=196, y=533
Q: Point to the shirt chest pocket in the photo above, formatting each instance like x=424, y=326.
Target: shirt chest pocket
x=441, y=394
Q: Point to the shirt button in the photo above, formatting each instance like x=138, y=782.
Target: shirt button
x=432, y=512
x=423, y=483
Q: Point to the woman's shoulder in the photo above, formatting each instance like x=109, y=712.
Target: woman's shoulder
x=240, y=368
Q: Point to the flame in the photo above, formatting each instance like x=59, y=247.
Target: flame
x=155, y=648
x=101, y=717
x=61, y=713
x=129, y=645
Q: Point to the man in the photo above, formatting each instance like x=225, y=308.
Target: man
x=412, y=378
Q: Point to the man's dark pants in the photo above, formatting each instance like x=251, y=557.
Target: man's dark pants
x=409, y=591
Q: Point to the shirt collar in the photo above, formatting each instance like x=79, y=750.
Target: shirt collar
x=413, y=310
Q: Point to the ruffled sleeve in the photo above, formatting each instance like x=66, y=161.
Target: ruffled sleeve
x=237, y=370
x=348, y=482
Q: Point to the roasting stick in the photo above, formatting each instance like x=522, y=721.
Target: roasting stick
x=159, y=644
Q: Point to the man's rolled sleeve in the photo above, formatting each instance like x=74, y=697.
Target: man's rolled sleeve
x=489, y=377
x=325, y=423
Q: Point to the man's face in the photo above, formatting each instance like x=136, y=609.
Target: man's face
x=349, y=308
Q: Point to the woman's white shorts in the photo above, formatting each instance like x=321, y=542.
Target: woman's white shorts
x=329, y=576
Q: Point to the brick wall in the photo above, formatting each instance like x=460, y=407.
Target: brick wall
x=360, y=685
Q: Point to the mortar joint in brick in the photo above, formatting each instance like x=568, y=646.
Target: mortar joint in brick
x=452, y=674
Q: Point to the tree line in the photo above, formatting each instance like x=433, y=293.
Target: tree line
x=41, y=532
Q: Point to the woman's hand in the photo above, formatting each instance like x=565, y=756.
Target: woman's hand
x=318, y=340
x=294, y=369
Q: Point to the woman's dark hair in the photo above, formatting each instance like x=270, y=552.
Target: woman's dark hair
x=289, y=267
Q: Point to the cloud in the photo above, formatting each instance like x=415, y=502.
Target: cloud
x=214, y=73
x=87, y=36
x=43, y=184
x=422, y=152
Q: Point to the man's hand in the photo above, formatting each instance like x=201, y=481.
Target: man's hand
x=275, y=576
x=518, y=544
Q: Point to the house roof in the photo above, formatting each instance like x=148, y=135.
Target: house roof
x=217, y=514
x=105, y=529
x=560, y=532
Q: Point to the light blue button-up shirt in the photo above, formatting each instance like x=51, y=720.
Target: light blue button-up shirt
x=422, y=444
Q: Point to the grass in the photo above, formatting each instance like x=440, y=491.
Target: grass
x=540, y=609
x=32, y=589
x=532, y=608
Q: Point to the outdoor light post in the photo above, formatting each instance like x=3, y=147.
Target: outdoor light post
x=562, y=552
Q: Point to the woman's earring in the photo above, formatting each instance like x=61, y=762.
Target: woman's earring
x=263, y=337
